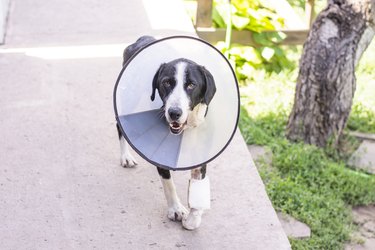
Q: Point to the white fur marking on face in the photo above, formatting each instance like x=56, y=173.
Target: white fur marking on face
x=197, y=116
x=178, y=98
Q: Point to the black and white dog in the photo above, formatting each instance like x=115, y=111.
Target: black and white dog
x=186, y=90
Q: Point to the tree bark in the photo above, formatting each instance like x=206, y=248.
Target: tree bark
x=326, y=80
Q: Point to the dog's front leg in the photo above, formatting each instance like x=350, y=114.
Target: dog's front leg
x=176, y=211
x=127, y=159
x=198, y=196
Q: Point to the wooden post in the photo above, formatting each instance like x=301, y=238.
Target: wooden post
x=4, y=7
x=309, y=12
x=204, y=14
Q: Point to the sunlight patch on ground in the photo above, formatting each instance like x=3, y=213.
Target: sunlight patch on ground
x=70, y=52
x=272, y=94
x=173, y=21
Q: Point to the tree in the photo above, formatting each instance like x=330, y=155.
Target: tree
x=326, y=81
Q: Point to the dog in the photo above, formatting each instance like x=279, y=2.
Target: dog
x=186, y=90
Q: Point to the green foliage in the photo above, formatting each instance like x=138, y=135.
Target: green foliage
x=327, y=216
x=361, y=119
x=306, y=183
x=362, y=116
x=253, y=16
x=250, y=15
x=264, y=129
x=309, y=166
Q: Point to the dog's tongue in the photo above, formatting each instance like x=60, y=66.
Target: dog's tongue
x=175, y=125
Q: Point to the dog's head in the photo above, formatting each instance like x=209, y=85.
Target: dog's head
x=186, y=89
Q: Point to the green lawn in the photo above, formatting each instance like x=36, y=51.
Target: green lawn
x=314, y=185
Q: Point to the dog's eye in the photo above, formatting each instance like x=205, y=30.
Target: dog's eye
x=190, y=86
x=166, y=83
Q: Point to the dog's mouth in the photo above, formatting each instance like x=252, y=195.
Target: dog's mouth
x=176, y=128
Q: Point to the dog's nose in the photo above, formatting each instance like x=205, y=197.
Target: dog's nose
x=174, y=113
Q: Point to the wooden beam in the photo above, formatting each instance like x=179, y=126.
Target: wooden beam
x=297, y=31
x=362, y=136
x=245, y=37
x=309, y=12
x=204, y=13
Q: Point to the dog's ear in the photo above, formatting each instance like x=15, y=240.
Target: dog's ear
x=155, y=84
x=210, y=86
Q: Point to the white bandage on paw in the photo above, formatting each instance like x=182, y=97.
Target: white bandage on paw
x=199, y=193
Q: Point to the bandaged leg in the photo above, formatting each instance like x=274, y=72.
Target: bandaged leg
x=199, y=194
x=199, y=198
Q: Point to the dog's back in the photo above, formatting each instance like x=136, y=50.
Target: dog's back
x=133, y=48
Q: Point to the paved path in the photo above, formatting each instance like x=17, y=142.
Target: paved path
x=61, y=186
x=364, y=218
x=364, y=159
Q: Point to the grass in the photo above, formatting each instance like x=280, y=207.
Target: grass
x=312, y=184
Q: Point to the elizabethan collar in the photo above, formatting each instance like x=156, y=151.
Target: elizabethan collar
x=140, y=118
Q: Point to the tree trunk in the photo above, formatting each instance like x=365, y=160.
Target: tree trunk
x=326, y=80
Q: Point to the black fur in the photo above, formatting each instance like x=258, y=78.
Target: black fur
x=204, y=84
x=165, y=174
x=203, y=170
x=210, y=86
x=118, y=131
x=133, y=48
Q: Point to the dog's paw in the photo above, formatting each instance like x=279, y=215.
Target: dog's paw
x=177, y=212
x=128, y=161
x=193, y=220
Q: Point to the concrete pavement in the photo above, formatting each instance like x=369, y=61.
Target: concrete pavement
x=61, y=186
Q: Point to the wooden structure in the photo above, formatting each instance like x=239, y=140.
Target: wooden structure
x=4, y=7
x=296, y=29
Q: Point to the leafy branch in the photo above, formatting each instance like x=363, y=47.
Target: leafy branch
x=257, y=18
